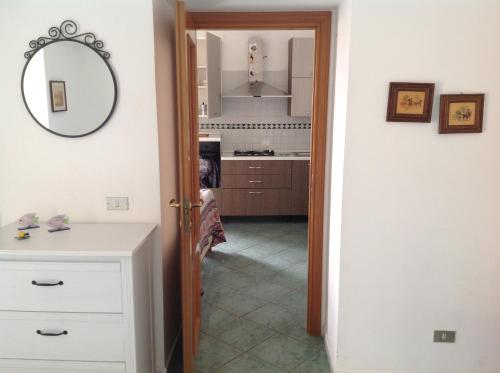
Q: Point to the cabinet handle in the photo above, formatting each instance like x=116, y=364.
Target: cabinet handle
x=255, y=181
x=45, y=334
x=255, y=192
x=255, y=167
x=60, y=283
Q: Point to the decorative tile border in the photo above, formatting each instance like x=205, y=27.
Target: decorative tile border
x=258, y=126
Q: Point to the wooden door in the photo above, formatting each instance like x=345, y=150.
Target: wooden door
x=189, y=189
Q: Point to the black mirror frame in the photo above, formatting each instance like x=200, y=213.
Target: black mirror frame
x=66, y=32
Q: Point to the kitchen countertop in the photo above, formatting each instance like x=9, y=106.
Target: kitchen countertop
x=278, y=157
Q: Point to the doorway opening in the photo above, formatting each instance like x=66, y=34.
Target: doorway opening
x=257, y=104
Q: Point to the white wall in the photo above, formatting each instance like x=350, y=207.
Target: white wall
x=419, y=246
x=49, y=174
x=75, y=175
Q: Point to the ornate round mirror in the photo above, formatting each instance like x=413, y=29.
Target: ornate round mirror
x=68, y=85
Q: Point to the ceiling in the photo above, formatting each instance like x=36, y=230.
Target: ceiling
x=259, y=5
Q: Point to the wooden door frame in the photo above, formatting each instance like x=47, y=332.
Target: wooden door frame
x=320, y=22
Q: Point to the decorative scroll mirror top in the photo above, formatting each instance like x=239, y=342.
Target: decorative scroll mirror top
x=67, y=31
x=68, y=85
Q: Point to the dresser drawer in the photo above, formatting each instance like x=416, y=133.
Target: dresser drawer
x=87, y=337
x=257, y=181
x=255, y=167
x=54, y=366
x=60, y=287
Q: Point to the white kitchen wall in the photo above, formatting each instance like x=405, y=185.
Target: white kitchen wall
x=419, y=222
x=49, y=174
x=258, y=110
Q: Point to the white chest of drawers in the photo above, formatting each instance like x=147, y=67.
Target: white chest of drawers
x=77, y=300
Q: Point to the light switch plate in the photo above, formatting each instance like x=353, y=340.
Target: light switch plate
x=117, y=203
x=444, y=336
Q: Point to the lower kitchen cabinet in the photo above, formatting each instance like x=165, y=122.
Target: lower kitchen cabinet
x=300, y=188
x=264, y=187
x=255, y=202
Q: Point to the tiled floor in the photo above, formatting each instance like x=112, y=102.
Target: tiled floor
x=254, y=307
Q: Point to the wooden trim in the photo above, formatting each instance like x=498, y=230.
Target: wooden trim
x=392, y=104
x=183, y=115
x=320, y=22
x=444, y=112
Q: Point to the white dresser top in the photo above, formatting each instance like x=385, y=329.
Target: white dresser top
x=81, y=240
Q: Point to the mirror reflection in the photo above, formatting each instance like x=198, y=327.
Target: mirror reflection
x=69, y=89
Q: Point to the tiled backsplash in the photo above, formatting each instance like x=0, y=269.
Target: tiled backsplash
x=258, y=123
x=280, y=140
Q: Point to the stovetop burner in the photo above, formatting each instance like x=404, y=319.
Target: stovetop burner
x=253, y=153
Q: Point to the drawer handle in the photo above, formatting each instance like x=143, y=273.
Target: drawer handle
x=255, y=167
x=255, y=181
x=39, y=332
x=255, y=192
x=60, y=283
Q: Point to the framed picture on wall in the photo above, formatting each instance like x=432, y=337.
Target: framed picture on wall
x=58, y=95
x=410, y=102
x=461, y=113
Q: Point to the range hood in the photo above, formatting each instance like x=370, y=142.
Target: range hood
x=256, y=87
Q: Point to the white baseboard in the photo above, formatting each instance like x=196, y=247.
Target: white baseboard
x=327, y=349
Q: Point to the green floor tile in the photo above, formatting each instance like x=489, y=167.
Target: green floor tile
x=213, y=354
x=244, y=334
x=316, y=364
x=213, y=318
x=284, y=352
x=239, y=303
x=249, y=364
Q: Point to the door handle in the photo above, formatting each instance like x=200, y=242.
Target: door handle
x=199, y=204
x=174, y=203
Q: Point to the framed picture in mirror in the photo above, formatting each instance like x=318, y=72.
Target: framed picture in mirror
x=58, y=95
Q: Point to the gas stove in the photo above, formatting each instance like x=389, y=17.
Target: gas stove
x=253, y=153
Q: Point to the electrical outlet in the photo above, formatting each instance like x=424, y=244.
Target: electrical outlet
x=117, y=203
x=444, y=336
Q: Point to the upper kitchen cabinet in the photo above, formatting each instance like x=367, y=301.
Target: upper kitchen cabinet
x=209, y=76
x=300, y=76
x=301, y=57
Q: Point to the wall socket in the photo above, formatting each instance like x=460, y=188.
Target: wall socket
x=117, y=203
x=444, y=336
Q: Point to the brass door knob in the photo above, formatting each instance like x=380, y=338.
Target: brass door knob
x=174, y=203
x=199, y=204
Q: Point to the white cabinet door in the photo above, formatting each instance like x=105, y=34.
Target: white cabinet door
x=301, y=101
x=302, y=57
x=214, y=76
